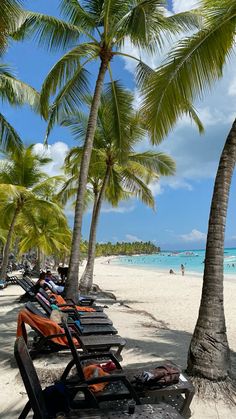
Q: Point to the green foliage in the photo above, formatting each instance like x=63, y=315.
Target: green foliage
x=44, y=231
x=26, y=188
x=119, y=129
x=124, y=248
x=10, y=13
x=16, y=93
x=92, y=29
x=190, y=69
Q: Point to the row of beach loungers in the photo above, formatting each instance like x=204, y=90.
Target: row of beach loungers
x=93, y=384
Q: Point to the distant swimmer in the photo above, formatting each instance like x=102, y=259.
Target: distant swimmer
x=182, y=269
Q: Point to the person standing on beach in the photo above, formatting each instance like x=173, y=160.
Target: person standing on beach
x=182, y=269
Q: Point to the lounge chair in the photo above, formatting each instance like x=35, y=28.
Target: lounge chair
x=39, y=405
x=179, y=395
x=11, y=280
x=62, y=303
x=29, y=293
x=44, y=300
x=50, y=337
x=81, y=329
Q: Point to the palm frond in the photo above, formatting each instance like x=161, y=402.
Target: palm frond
x=50, y=32
x=184, y=21
x=137, y=187
x=10, y=12
x=49, y=187
x=77, y=15
x=63, y=70
x=158, y=163
x=69, y=98
x=17, y=92
x=119, y=105
x=143, y=73
x=190, y=69
x=9, y=138
x=77, y=123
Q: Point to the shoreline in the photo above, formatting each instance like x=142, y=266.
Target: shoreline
x=158, y=270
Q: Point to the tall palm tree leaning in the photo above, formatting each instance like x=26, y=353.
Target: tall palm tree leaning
x=22, y=183
x=116, y=171
x=100, y=29
x=188, y=71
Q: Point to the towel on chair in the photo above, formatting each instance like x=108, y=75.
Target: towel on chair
x=60, y=300
x=45, y=326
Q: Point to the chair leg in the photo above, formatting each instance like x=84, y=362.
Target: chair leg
x=25, y=411
x=188, y=398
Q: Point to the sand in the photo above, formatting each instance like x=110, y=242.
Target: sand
x=155, y=312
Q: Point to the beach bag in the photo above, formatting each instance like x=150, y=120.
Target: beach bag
x=159, y=377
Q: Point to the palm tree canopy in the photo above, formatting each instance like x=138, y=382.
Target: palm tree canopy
x=44, y=231
x=190, y=68
x=24, y=169
x=120, y=129
x=24, y=185
x=96, y=30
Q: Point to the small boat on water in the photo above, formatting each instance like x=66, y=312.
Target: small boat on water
x=189, y=254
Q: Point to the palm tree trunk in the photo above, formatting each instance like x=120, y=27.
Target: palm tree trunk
x=86, y=280
x=209, y=355
x=6, y=251
x=72, y=282
x=91, y=249
x=37, y=266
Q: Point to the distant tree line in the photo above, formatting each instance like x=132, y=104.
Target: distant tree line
x=123, y=248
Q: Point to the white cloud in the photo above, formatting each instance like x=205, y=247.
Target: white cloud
x=132, y=238
x=193, y=236
x=156, y=188
x=232, y=87
x=183, y=5
x=121, y=209
x=56, y=152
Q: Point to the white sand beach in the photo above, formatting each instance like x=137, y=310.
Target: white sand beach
x=156, y=318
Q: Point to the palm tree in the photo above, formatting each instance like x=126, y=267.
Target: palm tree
x=10, y=12
x=116, y=171
x=194, y=65
x=100, y=29
x=22, y=183
x=43, y=231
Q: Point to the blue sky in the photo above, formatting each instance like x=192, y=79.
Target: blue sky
x=183, y=202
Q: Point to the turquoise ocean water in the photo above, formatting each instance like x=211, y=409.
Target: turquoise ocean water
x=193, y=260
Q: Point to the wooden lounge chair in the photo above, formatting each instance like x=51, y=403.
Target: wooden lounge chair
x=178, y=395
x=45, y=342
x=38, y=404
